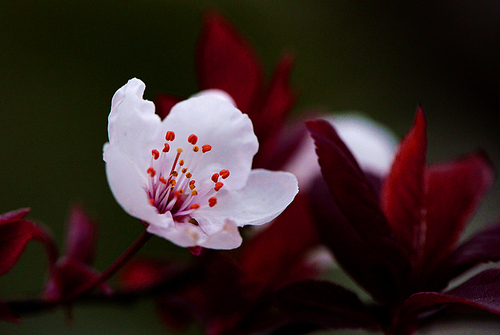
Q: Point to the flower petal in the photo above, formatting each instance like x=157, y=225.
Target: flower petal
x=227, y=62
x=227, y=238
x=264, y=197
x=126, y=183
x=218, y=123
x=132, y=124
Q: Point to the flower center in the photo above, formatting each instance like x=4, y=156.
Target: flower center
x=172, y=188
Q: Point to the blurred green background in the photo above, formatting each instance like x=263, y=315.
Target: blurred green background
x=61, y=62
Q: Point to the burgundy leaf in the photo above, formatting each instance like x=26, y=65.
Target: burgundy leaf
x=15, y=233
x=226, y=61
x=164, y=103
x=81, y=234
x=481, y=248
x=454, y=191
x=269, y=118
x=362, y=262
x=7, y=315
x=402, y=196
x=481, y=292
x=13, y=216
x=270, y=255
x=354, y=193
x=325, y=304
x=67, y=276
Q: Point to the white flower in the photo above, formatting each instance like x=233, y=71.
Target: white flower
x=189, y=176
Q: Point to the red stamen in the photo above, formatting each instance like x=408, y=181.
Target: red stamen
x=218, y=186
x=170, y=136
x=155, y=154
x=206, y=147
x=166, y=148
x=162, y=180
x=151, y=172
x=193, y=139
x=224, y=173
x=212, y=201
x=215, y=177
x=152, y=202
x=194, y=206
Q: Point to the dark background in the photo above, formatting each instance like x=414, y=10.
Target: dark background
x=61, y=62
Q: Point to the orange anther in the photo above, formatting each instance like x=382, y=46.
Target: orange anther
x=191, y=186
x=181, y=162
x=193, y=139
x=166, y=148
x=174, y=173
x=215, y=177
x=162, y=180
x=155, y=153
x=170, y=136
x=191, y=182
x=206, y=147
x=151, y=172
x=179, y=150
x=224, y=173
x=194, y=206
x=218, y=186
x=212, y=201
x=194, y=192
x=189, y=175
x=196, y=149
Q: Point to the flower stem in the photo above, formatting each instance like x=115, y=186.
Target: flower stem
x=111, y=270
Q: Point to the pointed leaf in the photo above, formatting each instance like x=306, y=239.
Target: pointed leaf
x=354, y=193
x=360, y=260
x=226, y=61
x=164, y=103
x=454, y=191
x=481, y=248
x=402, y=194
x=270, y=255
x=269, y=116
x=481, y=292
x=325, y=304
x=15, y=234
x=13, y=216
x=81, y=235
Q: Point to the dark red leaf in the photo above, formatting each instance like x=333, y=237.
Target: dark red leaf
x=15, y=233
x=325, y=304
x=164, y=103
x=67, y=276
x=81, y=235
x=481, y=248
x=226, y=61
x=272, y=254
x=361, y=261
x=7, y=315
x=454, y=191
x=354, y=193
x=481, y=292
x=269, y=117
x=143, y=273
x=402, y=196
x=13, y=216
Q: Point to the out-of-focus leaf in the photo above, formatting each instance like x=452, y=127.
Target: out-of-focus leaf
x=226, y=61
x=324, y=304
x=81, y=235
x=164, y=103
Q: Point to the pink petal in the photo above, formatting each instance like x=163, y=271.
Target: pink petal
x=402, y=194
x=454, y=191
x=226, y=61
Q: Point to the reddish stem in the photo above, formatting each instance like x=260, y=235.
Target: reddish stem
x=111, y=270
